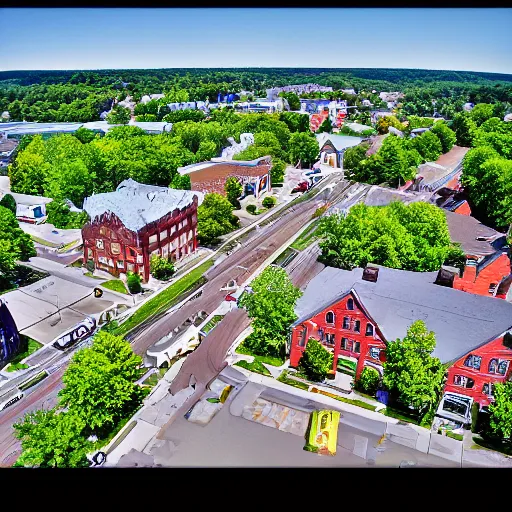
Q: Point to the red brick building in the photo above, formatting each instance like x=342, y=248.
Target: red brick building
x=354, y=314
x=136, y=221
x=487, y=256
x=208, y=177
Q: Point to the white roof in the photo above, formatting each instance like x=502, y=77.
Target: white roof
x=137, y=205
x=194, y=167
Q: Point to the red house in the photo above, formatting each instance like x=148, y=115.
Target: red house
x=487, y=257
x=128, y=226
x=355, y=313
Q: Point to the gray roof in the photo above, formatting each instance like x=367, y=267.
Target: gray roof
x=475, y=238
x=35, y=128
x=137, y=205
x=461, y=321
x=341, y=142
x=431, y=172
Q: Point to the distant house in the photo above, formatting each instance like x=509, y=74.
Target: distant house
x=333, y=148
x=31, y=209
x=149, y=97
x=316, y=120
x=418, y=131
x=208, y=177
x=452, y=200
x=468, y=106
x=355, y=314
x=508, y=118
x=128, y=226
x=7, y=149
x=487, y=266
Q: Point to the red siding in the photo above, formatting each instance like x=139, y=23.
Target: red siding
x=479, y=284
x=463, y=209
x=340, y=311
x=492, y=350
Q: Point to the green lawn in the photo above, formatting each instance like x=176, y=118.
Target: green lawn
x=307, y=237
x=90, y=274
x=274, y=361
x=393, y=413
x=152, y=380
x=359, y=403
x=32, y=346
x=458, y=437
x=44, y=242
x=116, y=285
x=66, y=247
x=496, y=445
x=163, y=300
x=212, y=323
x=285, y=380
x=255, y=366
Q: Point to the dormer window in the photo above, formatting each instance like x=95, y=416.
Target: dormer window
x=473, y=361
x=329, y=317
x=369, y=330
x=350, y=304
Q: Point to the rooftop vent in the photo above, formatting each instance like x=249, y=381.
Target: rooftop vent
x=371, y=274
x=507, y=339
x=445, y=277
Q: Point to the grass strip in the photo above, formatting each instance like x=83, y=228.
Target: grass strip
x=495, y=445
x=292, y=382
x=41, y=241
x=307, y=237
x=393, y=413
x=32, y=346
x=115, y=285
x=255, y=366
x=163, y=300
x=273, y=361
x=68, y=246
x=33, y=381
x=212, y=323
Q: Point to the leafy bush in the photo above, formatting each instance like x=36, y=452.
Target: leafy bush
x=269, y=202
x=9, y=202
x=133, y=282
x=90, y=265
x=368, y=380
x=161, y=268
x=316, y=361
x=251, y=208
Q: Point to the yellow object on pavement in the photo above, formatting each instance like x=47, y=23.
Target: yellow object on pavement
x=322, y=434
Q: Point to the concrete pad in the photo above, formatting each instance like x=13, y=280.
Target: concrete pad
x=247, y=395
x=134, y=459
x=92, y=305
x=44, y=332
x=402, y=434
x=363, y=423
x=360, y=446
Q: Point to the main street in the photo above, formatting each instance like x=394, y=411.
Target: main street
x=260, y=245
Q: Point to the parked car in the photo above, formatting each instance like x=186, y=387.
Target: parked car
x=78, y=333
x=301, y=187
x=314, y=171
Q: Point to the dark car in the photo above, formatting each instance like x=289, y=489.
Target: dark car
x=314, y=171
x=301, y=187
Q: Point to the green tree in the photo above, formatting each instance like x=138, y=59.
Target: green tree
x=292, y=99
x=8, y=202
x=118, y=115
x=353, y=158
x=296, y=122
x=161, y=268
x=303, y=148
x=277, y=170
x=52, y=439
x=500, y=410
x=428, y=146
x=368, y=381
x=234, y=190
x=60, y=215
x=133, y=282
x=445, y=135
x=271, y=301
x=181, y=182
x=84, y=135
x=411, y=237
x=412, y=375
x=326, y=126
x=464, y=128
x=385, y=122
x=215, y=218
x=19, y=243
x=390, y=164
x=206, y=151
x=316, y=361
x=481, y=113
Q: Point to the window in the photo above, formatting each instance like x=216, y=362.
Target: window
x=473, y=361
x=302, y=338
x=488, y=389
x=350, y=304
x=321, y=334
x=502, y=367
x=329, y=317
x=115, y=248
x=374, y=352
x=139, y=258
x=103, y=230
x=120, y=264
x=131, y=266
x=329, y=338
x=369, y=330
x=357, y=326
x=163, y=234
x=492, y=288
x=173, y=229
x=463, y=381
x=346, y=323
x=344, y=344
x=99, y=244
x=152, y=239
x=357, y=347
x=493, y=365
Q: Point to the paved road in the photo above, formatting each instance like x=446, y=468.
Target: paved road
x=305, y=266
x=42, y=396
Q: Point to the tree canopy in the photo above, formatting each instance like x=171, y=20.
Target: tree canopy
x=316, y=361
x=500, y=410
x=409, y=237
x=215, y=218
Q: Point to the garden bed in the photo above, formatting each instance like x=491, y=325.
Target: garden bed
x=292, y=382
x=211, y=323
x=33, y=381
x=495, y=445
x=16, y=364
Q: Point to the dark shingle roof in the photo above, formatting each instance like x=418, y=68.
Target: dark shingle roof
x=461, y=321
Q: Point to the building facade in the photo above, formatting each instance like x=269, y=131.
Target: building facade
x=136, y=221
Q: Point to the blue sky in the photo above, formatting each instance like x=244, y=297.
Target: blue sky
x=457, y=39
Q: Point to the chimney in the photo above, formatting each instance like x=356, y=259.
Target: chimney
x=504, y=287
x=371, y=273
x=469, y=274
